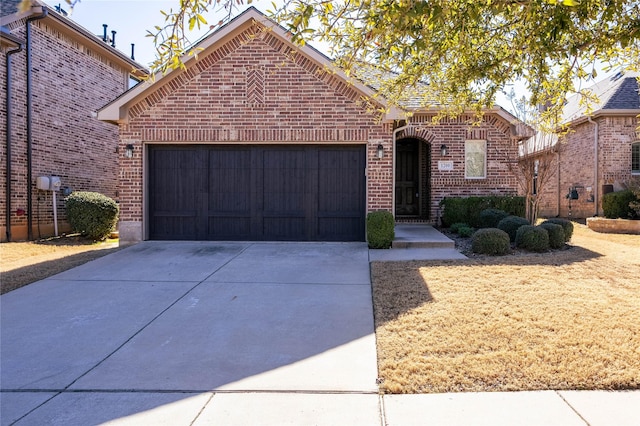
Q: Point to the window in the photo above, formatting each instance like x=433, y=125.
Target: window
x=475, y=159
x=635, y=158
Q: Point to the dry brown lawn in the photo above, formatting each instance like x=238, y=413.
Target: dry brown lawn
x=563, y=320
x=27, y=262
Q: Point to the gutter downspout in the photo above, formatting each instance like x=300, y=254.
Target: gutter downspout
x=44, y=14
x=595, y=167
x=9, y=125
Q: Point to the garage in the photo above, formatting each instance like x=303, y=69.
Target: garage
x=256, y=192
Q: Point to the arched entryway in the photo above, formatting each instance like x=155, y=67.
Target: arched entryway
x=412, y=179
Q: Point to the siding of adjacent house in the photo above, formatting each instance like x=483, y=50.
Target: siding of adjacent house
x=71, y=79
x=577, y=166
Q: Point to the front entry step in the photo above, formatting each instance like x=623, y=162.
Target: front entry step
x=419, y=236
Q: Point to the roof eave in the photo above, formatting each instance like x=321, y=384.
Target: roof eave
x=137, y=69
x=602, y=113
x=519, y=130
x=8, y=39
x=63, y=23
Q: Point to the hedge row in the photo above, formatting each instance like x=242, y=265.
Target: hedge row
x=467, y=210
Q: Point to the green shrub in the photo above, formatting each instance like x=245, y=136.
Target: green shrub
x=465, y=231
x=467, y=210
x=567, y=226
x=617, y=204
x=455, y=228
x=92, y=214
x=510, y=225
x=491, y=241
x=556, y=234
x=532, y=238
x=380, y=229
x=634, y=186
x=489, y=218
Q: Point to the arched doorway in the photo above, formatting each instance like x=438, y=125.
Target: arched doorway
x=412, y=180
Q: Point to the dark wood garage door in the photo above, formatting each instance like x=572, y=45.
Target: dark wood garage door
x=253, y=193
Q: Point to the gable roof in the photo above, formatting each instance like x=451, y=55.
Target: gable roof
x=118, y=110
x=70, y=27
x=617, y=95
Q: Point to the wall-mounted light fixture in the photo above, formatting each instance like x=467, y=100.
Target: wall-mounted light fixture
x=380, y=152
x=443, y=150
x=573, y=193
x=128, y=152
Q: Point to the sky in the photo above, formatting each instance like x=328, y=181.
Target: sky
x=132, y=18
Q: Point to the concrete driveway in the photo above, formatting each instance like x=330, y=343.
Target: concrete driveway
x=171, y=332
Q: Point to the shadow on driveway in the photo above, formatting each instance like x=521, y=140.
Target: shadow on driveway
x=185, y=319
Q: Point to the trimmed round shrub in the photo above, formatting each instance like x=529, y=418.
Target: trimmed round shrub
x=532, y=238
x=556, y=234
x=510, y=225
x=491, y=241
x=92, y=214
x=380, y=229
x=465, y=231
x=567, y=226
x=455, y=228
x=489, y=218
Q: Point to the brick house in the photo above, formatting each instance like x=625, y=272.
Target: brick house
x=48, y=115
x=600, y=153
x=258, y=139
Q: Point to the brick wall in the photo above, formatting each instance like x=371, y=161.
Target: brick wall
x=454, y=132
x=70, y=80
x=577, y=166
x=255, y=89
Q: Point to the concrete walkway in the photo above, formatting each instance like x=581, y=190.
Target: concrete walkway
x=417, y=242
x=231, y=334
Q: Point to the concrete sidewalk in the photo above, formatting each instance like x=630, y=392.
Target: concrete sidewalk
x=564, y=408
x=182, y=333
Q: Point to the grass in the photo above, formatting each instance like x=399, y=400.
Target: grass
x=23, y=263
x=563, y=320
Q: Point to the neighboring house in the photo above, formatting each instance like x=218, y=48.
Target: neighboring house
x=259, y=139
x=601, y=152
x=49, y=125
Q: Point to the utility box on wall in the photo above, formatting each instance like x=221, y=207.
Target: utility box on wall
x=51, y=183
x=42, y=182
x=48, y=183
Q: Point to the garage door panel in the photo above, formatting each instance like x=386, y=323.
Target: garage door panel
x=340, y=205
x=290, y=193
x=229, y=182
x=229, y=228
x=284, y=228
x=339, y=228
x=175, y=228
x=284, y=175
x=175, y=179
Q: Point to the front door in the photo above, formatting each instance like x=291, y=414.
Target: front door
x=407, y=178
